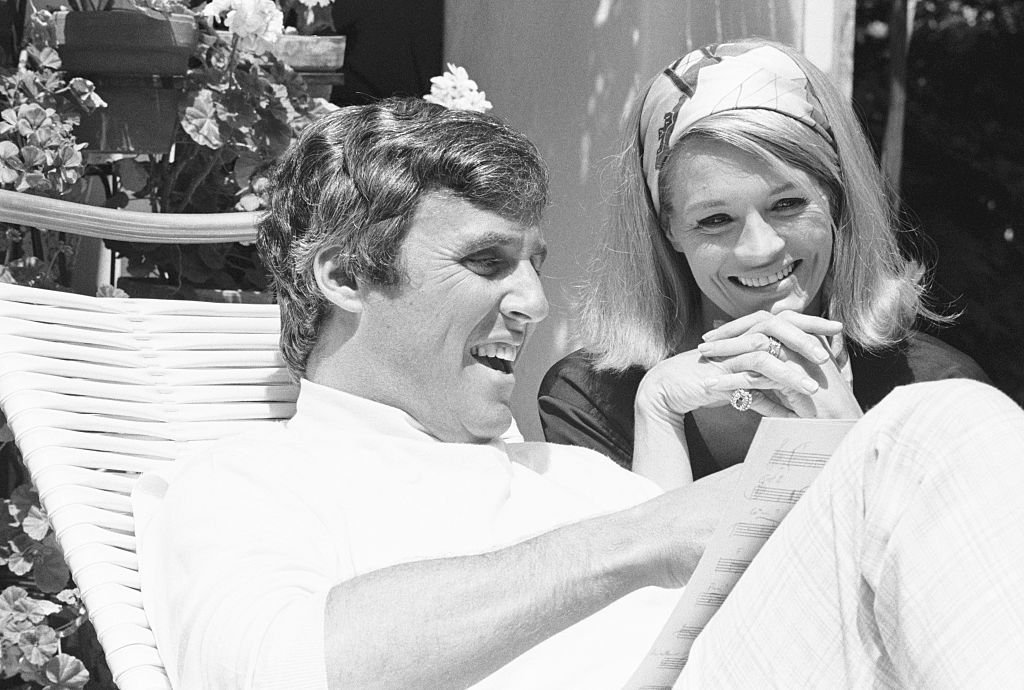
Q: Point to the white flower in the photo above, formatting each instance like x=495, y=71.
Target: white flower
x=454, y=89
x=257, y=23
x=69, y=596
x=36, y=524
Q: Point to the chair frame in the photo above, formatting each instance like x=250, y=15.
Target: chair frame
x=99, y=390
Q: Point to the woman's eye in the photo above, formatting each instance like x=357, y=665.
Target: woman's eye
x=715, y=222
x=789, y=204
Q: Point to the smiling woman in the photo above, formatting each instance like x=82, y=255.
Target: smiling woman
x=750, y=267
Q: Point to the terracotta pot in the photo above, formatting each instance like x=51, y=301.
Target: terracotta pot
x=311, y=53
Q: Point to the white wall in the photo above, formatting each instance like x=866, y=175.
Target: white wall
x=564, y=72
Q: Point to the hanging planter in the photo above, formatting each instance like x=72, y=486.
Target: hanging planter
x=318, y=59
x=311, y=53
x=137, y=58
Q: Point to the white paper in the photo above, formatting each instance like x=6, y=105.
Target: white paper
x=785, y=456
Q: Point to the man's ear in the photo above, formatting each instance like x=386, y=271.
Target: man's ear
x=336, y=285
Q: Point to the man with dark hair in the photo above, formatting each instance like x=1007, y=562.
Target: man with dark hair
x=386, y=537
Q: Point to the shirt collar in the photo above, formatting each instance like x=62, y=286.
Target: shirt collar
x=321, y=408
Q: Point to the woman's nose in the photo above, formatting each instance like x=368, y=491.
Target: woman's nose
x=758, y=242
x=526, y=300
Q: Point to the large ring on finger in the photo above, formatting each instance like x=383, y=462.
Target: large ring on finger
x=741, y=399
x=774, y=347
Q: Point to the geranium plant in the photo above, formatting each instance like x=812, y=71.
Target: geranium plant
x=41, y=609
x=39, y=108
x=243, y=106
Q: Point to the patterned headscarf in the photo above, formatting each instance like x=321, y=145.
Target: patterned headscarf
x=716, y=78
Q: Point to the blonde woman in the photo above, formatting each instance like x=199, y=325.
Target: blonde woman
x=750, y=267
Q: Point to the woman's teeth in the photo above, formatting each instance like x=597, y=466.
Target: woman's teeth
x=767, y=280
x=498, y=356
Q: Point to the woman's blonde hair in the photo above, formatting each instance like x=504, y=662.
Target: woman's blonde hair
x=640, y=301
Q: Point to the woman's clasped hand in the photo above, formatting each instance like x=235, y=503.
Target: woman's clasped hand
x=802, y=374
x=782, y=360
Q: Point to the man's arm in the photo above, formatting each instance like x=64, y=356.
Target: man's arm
x=448, y=623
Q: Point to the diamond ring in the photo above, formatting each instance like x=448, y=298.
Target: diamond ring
x=741, y=399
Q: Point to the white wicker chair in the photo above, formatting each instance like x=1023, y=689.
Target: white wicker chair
x=97, y=391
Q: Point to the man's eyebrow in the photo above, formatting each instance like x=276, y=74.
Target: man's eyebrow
x=500, y=238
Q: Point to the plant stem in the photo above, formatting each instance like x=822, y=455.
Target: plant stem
x=172, y=179
x=199, y=179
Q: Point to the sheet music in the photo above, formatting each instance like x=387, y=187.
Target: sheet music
x=784, y=458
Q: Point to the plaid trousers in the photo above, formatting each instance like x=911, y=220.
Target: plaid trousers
x=901, y=567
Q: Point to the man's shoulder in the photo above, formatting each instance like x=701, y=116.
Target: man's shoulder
x=252, y=457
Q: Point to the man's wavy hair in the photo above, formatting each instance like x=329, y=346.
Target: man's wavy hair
x=640, y=302
x=353, y=180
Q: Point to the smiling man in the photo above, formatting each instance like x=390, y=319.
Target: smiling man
x=469, y=293
x=387, y=537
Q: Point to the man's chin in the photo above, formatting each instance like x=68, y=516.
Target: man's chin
x=488, y=423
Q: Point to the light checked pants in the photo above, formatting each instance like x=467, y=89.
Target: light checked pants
x=901, y=567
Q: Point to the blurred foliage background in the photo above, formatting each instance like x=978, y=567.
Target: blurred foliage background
x=963, y=162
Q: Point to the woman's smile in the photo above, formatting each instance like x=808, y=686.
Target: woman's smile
x=764, y=281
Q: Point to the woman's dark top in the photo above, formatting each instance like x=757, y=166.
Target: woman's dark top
x=583, y=407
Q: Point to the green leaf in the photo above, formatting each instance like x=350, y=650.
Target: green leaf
x=33, y=156
x=132, y=175
x=200, y=121
x=65, y=672
x=212, y=255
x=51, y=571
x=22, y=500
x=47, y=58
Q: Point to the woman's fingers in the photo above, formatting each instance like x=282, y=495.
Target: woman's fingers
x=765, y=406
x=760, y=370
x=806, y=323
x=788, y=335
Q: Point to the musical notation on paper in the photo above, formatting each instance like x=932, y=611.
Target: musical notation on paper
x=784, y=458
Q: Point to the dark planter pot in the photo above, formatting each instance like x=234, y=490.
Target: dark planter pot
x=138, y=60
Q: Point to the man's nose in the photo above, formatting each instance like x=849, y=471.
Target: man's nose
x=525, y=300
x=758, y=242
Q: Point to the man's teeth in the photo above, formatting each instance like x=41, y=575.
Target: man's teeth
x=766, y=280
x=502, y=351
x=499, y=356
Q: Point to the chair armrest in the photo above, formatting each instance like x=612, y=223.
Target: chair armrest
x=128, y=226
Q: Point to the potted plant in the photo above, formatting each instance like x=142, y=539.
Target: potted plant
x=39, y=154
x=137, y=56
x=44, y=636
x=41, y=615
x=241, y=109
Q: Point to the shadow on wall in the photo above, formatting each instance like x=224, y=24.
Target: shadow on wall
x=565, y=73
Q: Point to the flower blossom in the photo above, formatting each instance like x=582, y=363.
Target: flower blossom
x=257, y=23
x=454, y=89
